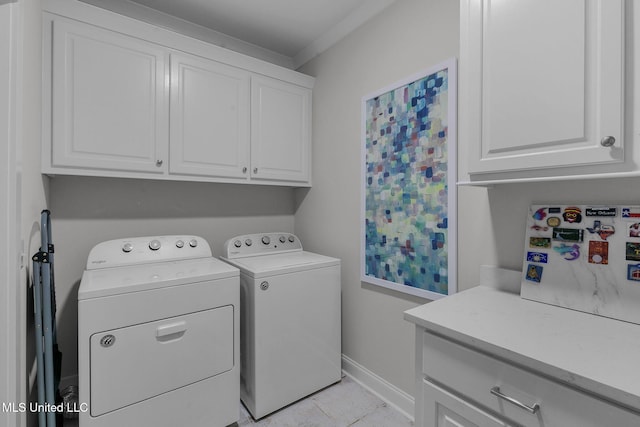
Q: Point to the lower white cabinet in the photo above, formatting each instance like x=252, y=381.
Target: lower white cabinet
x=441, y=408
x=459, y=386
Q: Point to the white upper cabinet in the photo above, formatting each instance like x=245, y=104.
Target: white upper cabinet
x=109, y=101
x=210, y=119
x=280, y=131
x=542, y=86
x=123, y=98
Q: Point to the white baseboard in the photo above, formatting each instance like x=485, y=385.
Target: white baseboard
x=386, y=391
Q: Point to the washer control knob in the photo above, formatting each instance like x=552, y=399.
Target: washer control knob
x=282, y=239
x=248, y=242
x=292, y=239
x=237, y=243
x=266, y=240
x=179, y=244
x=193, y=243
x=154, y=245
x=127, y=247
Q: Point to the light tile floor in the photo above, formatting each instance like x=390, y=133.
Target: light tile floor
x=343, y=404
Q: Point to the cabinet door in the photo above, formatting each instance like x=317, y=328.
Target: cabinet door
x=443, y=409
x=280, y=130
x=541, y=83
x=209, y=118
x=109, y=106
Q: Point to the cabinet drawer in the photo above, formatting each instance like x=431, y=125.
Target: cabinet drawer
x=444, y=409
x=473, y=375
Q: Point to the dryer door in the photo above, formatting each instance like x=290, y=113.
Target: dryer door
x=135, y=363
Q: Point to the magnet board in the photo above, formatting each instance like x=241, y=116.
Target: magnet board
x=584, y=257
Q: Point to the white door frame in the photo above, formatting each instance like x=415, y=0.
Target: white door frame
x=11, y=375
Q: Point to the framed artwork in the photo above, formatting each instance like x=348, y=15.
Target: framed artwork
x=409, y=190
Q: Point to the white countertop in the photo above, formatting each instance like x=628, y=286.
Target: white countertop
x=589, y=352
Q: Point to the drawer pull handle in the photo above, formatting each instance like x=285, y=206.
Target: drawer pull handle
x=533, y=409
x=171, y=332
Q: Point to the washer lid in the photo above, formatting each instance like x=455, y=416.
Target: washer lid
x=270, y=265
x=142, y=277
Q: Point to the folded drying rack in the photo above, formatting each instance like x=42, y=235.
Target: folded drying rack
x=48, y=356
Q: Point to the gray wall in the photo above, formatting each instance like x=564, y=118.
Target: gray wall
x=86, y=211
x=503, y=226
x=409, y=36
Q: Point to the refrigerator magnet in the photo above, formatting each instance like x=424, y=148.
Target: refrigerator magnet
x=601, y=211
x=598, y=252
x=553, y=221
x=568, y=252
x=539, y=242
x=631, y=212
x=632, y=251
x=633, y=272
x=602, y=230
x=534, y=273
x=540, y=257
x=568, y=234
x=572, y=214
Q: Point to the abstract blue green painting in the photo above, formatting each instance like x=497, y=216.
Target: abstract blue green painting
x=408, y=206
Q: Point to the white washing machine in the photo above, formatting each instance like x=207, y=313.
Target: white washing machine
x=158, y=335
x=290, y=320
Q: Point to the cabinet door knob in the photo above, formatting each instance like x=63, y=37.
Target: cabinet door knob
x=244, y=169
x=158, y=163
x=607, y=141
x=255, y=170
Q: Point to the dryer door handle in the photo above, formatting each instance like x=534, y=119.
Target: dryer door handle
x=171, y=331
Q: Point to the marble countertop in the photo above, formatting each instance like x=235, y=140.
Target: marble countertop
x=593, y=353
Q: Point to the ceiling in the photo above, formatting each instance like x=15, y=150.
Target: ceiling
x=295, y=29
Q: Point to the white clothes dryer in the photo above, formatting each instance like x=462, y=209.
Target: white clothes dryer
x=290, y=320
x=158, y=332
